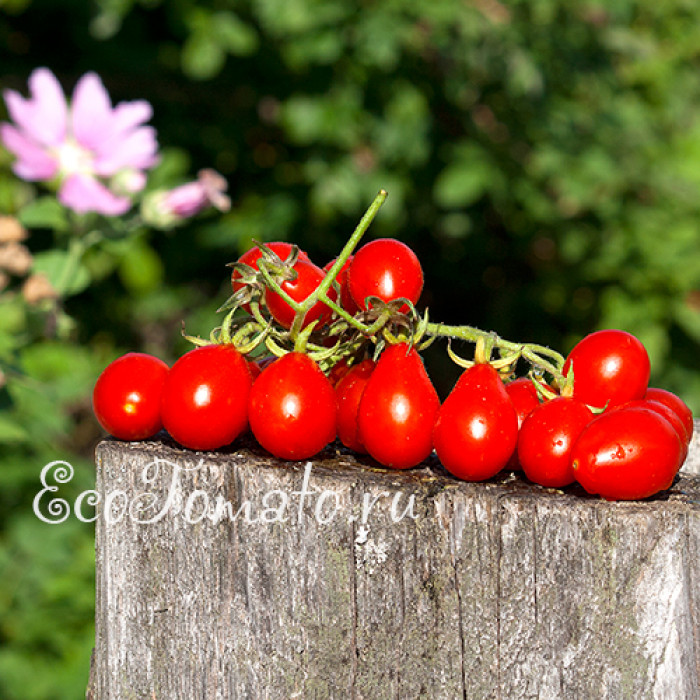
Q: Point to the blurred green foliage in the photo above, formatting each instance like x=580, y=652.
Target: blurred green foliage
x=542, y=158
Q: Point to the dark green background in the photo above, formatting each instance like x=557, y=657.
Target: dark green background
x=541, y=157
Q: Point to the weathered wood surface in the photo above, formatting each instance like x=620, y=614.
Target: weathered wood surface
x=496, y=590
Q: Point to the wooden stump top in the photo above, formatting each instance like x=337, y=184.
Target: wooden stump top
x=334, y=578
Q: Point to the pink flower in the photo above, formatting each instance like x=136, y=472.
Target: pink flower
x=96, y=152
x=170, y=207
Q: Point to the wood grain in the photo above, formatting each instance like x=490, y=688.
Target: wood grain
x=494, y=590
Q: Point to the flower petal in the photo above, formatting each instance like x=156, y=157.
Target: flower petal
x=33, y=163
x=129, y=115
x=91, y=112
x=83, y=193
x=43, y=117
x=137, y=149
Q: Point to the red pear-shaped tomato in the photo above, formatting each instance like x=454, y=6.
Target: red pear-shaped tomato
x=397, y=410
x=523, y=394
x=477, y=427
x=349, y=391
x=292, y=408
x=205, y=397
x=387, y=269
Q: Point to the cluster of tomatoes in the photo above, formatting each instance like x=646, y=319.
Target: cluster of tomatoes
x=597, y=423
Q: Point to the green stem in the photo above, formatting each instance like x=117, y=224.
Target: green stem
x=76, y=249
x=529, y=351
x=321, y=292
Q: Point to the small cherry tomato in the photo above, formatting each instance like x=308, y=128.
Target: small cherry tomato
x=398, y=408
x=205, y=398
x=292, y=408
x=676, y=404
x=126, y=397
x=349, y=391
x=626, y=454
x=477, y=427
x=387, y=269
x=547, y=437
x=308, y=277
x=610, y=367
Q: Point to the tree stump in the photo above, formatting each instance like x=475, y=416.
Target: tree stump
x=232, y=575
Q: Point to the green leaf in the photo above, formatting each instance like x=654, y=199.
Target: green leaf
x=44, y=212
x=11, y=431
x=65, y=277
x=462, y=183
x=237, y=37
x=202, y=57
x=141, y=270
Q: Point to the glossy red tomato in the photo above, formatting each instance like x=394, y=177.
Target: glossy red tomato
x=385, y=268
x=626, y=454
x=251, y=257
x=126, y=397
x=676, y=404
x=349, y=391
x=669, y=414
x=547, y=437
x=346, y=300
x=524, y=398
x=308, y=277
x=610, y=367
x=205, y=398
x=292, y=408
x=398, y=408
x=477, y=426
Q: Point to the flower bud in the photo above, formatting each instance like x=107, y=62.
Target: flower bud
x=11, y=231
x=15, y=258
x=167, y=208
